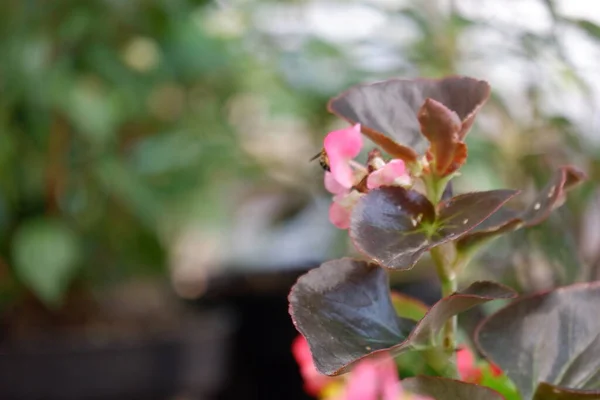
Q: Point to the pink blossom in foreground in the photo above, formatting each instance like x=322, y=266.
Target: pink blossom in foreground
x=342, y=146
x=314, y=381
x=376, y=379
x=465, y=363
x=468, y=370
x=392, y=173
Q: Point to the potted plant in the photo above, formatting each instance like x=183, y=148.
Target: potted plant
x=397, y=209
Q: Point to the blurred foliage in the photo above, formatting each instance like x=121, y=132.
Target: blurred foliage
x=113, y=128
x=121, y=122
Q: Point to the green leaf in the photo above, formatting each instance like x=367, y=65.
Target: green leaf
x=588, y=27
x=408, y=307
x=92, y=111
x=448, y=389
x=500, y=383
x=46, y=255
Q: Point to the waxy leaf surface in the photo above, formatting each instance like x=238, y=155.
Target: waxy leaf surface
x=344, y=310
x=448, y=389
x=552, y=337
x=394, y=226
x=387, y=225
x=464, y=212
x=507, y=219
x=387, y=111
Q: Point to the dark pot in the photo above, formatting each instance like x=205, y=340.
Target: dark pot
x=189, y=362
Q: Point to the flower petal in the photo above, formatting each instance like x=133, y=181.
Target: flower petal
x=467, y=369
x=393, y=173
x=314, y=381
x=363, y=382
x=332, y=185
x=339, y=215
x=344, y=142
x=374, y=379
x=341, y=146
x=390, y=383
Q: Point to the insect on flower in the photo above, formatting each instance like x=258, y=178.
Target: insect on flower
x=323, y=160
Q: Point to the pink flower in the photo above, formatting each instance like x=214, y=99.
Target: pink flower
x=465, y=363
x=376, y=379
x=343, y=201
x=342, y=146
x=340, y=210
x=333, y=186
x=314, y=381
x=392, y=173
x=468, y=369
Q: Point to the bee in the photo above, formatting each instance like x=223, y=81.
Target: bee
x=323, y=160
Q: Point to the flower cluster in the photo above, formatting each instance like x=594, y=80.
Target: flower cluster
x=348, y=180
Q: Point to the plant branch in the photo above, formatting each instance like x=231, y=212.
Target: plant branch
x=444, y=258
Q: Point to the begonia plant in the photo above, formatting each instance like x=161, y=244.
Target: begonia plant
x=397, y=206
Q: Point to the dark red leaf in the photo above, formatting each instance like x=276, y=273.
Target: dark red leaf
x=389, y=109
x=448, y=389
x=546, y=391
x=506, y=219
x=574, y=177
x=477, y=293
x=387, y=225
x=344, y=310
x=464, y=212
x=441, y=127
x=552, y=337
x=395, y=226
x=460, y=157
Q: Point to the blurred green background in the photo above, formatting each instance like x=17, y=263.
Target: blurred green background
x=168, y=140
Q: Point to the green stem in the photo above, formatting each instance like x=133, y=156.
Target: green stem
x=448, y=282
x=445, y=259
